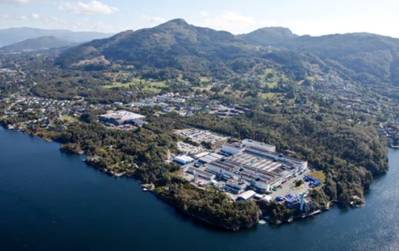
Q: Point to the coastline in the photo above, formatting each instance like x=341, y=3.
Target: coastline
x=154, y=191
x=164, y=197
x=138, y=213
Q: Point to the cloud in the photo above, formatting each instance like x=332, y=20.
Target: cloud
x=23, y=18
x=88, y=8
x=15, y=1
x=204, y=13
x=35, y=16
x=230, y=21
x=30, y=17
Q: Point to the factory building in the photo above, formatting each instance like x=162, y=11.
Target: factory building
x=209, y=158
x=231, y=149
x=262, y=147
x=246, y=195
x=256, y=164
x=202, y=136
x=242, y=169
x=235, y=187
x=183, y=159
x=197, y=173
x=118, y=118
x=260, y=187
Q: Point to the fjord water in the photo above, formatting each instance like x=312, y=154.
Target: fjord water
x=53, y=201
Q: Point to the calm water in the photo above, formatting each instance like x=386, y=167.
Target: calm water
x=53, y=201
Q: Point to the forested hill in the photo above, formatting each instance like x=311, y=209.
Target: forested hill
x=268, y=36
x=179, y=46
x=174, y=45
x=367, y=57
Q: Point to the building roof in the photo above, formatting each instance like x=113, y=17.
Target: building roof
x=246, y=195
x=211, y=157
x=183, y=158
x=122, y=115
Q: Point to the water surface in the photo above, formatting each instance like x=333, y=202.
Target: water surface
x=53, y=201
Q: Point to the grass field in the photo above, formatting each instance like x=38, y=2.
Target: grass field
x=138, y=83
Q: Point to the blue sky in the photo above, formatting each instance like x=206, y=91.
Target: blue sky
x=314, y=17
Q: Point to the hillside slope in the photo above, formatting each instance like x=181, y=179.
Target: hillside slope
x=36, y=44
x=175, y=45
x=368, y=58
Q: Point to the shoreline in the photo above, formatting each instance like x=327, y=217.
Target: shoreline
x=193, y=217
x=340, y=222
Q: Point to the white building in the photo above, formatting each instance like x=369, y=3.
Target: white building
x=122, y=117
x=231, y=149
x=258, y=145
x=209, y=158
x=199, y=174
x=183, y=159
x=246, y=195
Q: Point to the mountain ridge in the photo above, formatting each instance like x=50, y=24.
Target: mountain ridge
x=37, y=44
x=174, y=44
x=181, y=46
x=17, y=34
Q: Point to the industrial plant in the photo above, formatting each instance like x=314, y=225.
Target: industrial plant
x=243, y=169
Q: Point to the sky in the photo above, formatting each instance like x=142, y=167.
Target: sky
x=313, y=17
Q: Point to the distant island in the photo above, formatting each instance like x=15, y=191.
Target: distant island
x=231, y=130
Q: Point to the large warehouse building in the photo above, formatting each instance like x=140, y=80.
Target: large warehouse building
x=122, y=118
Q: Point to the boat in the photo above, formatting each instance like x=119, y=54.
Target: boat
x=314, y=213
x=304, y=216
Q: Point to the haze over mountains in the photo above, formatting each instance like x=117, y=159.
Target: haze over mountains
x=15, y=35
x=37, y=44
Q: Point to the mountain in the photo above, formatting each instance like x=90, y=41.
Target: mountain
x=367, y=57
x=37, y=44
x=370, y=57
x=269, y=36
x=15, y=35
x=175, y=44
